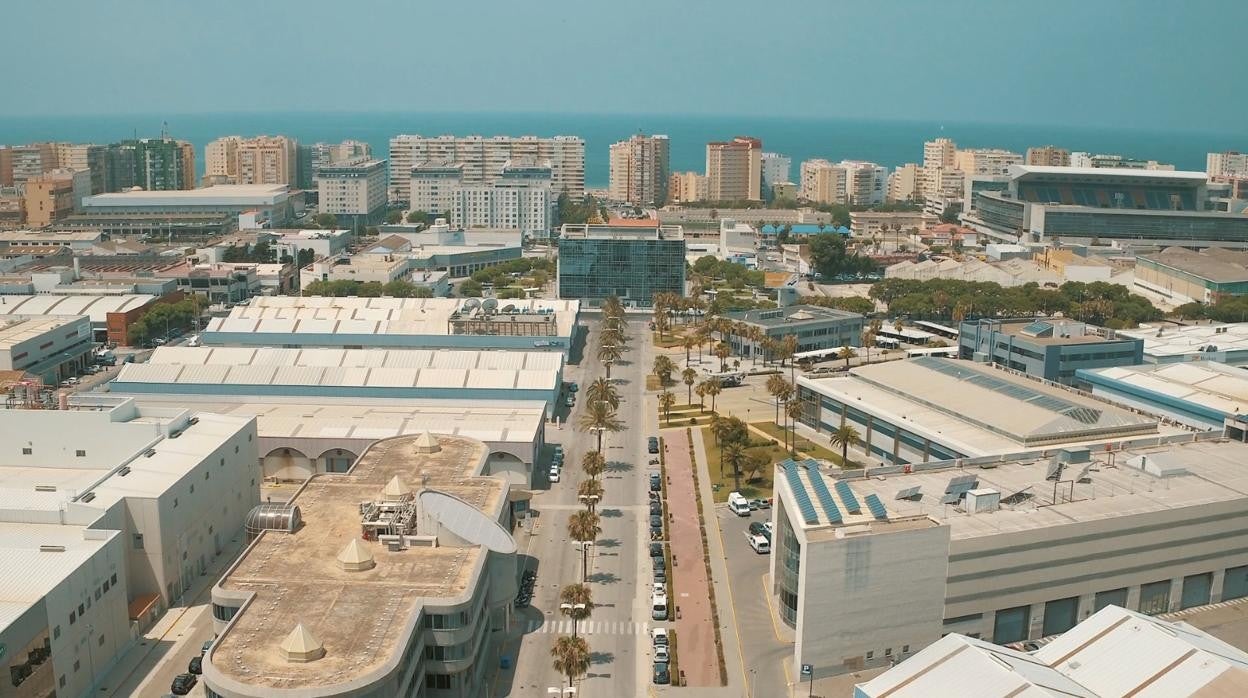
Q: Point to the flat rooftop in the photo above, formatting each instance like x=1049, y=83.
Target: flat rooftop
x=63, y=237
x=292, y=315
x=1120, y=483
x=1102, y=173
x=1217, y=264
x=223, y=195
x=980, y=410
x=790, y=315
x=1050, y=332
x=1167, y=341
x=1209, y=384
x=363, y=618
x=28, y=573
x=16, y=330
x=95, y=306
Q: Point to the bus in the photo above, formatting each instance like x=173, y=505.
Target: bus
x=905, y=335
x=937, y=329
x=810, y=358
x=951, y=352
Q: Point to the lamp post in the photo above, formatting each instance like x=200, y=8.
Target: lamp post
x=590, y=501
x=572, y=611
x=585, y=546
x=561, y=690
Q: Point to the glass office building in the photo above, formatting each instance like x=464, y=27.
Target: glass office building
x=630, y=262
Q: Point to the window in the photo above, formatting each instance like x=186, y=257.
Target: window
x=1060, y=615
x=870, y=654
x=26, y=451
x=192, y=489
x=888, y=652
x=56, y=632
x=97, y=594
x=106, y=586
x=1011, y=624
x=175, y=502
x=73, y=617
x=1155, y=597
x=80, y=453
x=81, y=610
x=138, y=545
x=77, y=664
x=905, y=649
x=100, y=642
x=113, y=579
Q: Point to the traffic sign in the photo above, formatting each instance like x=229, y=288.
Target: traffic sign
x=808, y=669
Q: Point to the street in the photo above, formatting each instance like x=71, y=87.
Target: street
x=618, y=630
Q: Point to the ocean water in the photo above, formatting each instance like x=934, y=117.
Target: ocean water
x=889, y=143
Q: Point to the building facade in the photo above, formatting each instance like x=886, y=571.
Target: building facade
x=630, y=262
x=688, y=187
x=775, y=170
x=353, y=191
x=814, y=327
x=152, y=164
x=1182, y=275
x=521, y=198
x=640, y=170
x=1048, y=156
x=483, y=159
x=1048, y=349
x=734, y=169
x=50, y=347
x=986, y=161
x=1228, y=164
x=266, y=160
x=904, y=183
x=55, y=195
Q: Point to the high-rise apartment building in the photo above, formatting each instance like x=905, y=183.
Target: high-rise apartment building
x=852, y=182
x=266, y=160
x=985, y=161
x=942, y=183
x=821, y=182
x=866, y=183
x=311, y=157
x=640, y=170
x=221, y=158
x=903, y=183
x=354, y=191
x=734, y=169
x=521, y=198
x=29, y=161
x=775, y=169
x=1121, y=162
x=941, y=152
x=1048, y=156
x=687, y=187
x=1228, y=164
x=154, y=164
x=55, y=195
x=85, y=156
x=483, y=159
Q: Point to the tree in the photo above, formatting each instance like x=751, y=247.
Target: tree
x=793, y=410
x=600, y=417
x=846, y=353
x=844, y=436
x=666, y=401
x=571, y=656
x=701, y=392
x=593, y=463
x=689, y=343
x=609, y=354
x=583, y=528
x=754, y=464
x=713, y=388
x=788, y=349
x=326, y=220
x=733, y=455
x=590, y=492
x=394, y=217
x=576, y=601
x=689, y=377
x=663, y=368
x=722, y=352
x=603, y=390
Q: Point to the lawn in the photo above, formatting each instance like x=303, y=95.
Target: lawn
x=803, y=444
x=721, y=485
x=668, y=341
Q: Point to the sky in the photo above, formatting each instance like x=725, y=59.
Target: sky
x=1148, y=64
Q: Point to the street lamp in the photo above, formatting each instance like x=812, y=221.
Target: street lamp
x=560, y=691
x=590, y=500
x=585, y=546
x=572, y=611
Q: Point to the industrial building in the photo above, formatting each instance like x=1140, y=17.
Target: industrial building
x=1052, y=349
x=108, y=516
x=1114, y=652
x=399, y=323
x=935, y=409
x=1165, y=344
x=211, y=210
x=395, y=578
x=815, y=328
x=632, y=260
x=1181, y=275
x=110, y=314
x=1202, y=394
x=1163, y=207
x=347, y=373
x=51, y=347
x=869, y=568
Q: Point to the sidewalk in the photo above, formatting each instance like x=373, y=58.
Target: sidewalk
x=129, y=676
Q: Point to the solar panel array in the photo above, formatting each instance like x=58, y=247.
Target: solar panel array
x=876, y=507
x=1018, y=497
x=821, y=492
x=799, y=493
x=1055, y=471
x=1023, y=393
x=847, y=497
x=961, y=483
x=1085, y=475
x=910, y=492
x=951, y=498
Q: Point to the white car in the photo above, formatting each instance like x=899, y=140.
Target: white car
x=553, y=475
x=659, y=637
x=660, y=653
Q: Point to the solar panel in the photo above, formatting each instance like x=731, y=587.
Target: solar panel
x=825, y=497
x=961, y=483
x=1085, y=474
x=1019, y=496
x=847, y=497
x=801, y=495
x=876, y=506
x=910, y=492
x=1055, y=471
x=951, y=498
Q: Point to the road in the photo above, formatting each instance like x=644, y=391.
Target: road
x=762, y=649
x=619, y=567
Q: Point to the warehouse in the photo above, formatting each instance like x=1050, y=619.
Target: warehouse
x=1166, y=344
x=111, y=314
x=52, y=347
x=1202, y=394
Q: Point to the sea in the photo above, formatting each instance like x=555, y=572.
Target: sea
x=889, y=143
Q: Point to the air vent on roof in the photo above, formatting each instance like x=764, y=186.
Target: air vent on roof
x=125, y=470
x=149, y=452
x=51, y=548
x=88, y=497
x=192, y=421
x=45, y=488
x=174, y=434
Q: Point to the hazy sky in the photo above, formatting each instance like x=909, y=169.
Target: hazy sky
x=1129, y=63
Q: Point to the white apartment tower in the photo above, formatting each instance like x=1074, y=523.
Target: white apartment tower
x=941, y=152
x=521, y=197
x=640, y=170
x=775, y=169
x=221, y=157
x=986, y=161
x=484, y=158
x=354, y=191
x=903, y=183
x=1228, y=164
x=852, y=182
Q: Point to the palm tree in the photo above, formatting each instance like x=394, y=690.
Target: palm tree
x=576, y=601
x=773, y=385
x=846, y=353
x=663, y=368
x=571, y=657
x=600, y=417
x=593, y=463
x=583, y=528
x=713, y=388
x=788, y=347
x=843, y=437
x=666, y=401
x=689, y=342
x=701, y=391
x=868, y=338
x=793, y=410
x=754, y=464
x=603, y=390
x=722, y=352
x=756, y=336
x=609, y=354
x=733, y=454
x=689, y=377
x=590, y=492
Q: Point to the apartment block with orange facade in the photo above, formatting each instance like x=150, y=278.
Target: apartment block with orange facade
x=734, y=169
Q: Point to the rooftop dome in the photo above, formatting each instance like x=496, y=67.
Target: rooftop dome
x=355, y=557
x=427, y=443
x=301, y=646
x=395, y=489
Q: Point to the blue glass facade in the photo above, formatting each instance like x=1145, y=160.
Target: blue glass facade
x=633, y=269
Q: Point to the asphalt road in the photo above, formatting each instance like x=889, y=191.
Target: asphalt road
x=619, y=567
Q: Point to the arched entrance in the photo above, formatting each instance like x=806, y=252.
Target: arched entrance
x=336, y=460
x=288, y=464
x=509, y=465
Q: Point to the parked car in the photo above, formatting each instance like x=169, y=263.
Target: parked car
x=183, y=683
x=206, y=646
x=760, y=544
x=660, y=576
x=656, y=524
x=653, y=444
x=661, y=676
x=757, y=528
x=760, y=503
x=553, y=474
x=656, y=483
x=656, y=550
x=656, y=507
x=661, y=653
x=196, y=665
x=571, y=401
x=660, y=563
x=659, y=637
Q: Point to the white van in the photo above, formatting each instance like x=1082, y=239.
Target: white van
x=193, y=341
x=761, y=545
x=738, y=504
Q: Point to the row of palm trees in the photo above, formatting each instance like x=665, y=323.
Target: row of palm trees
x=570, y=653
x=785, y=396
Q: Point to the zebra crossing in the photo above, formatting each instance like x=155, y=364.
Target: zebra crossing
x=586, y=627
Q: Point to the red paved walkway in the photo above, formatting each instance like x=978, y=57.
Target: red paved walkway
x=695, y=633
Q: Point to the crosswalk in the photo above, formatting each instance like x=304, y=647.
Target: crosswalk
x=587, y=627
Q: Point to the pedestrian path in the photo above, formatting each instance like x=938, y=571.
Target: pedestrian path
x=587, y=627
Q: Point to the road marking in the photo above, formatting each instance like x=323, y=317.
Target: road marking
x=587, y=627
